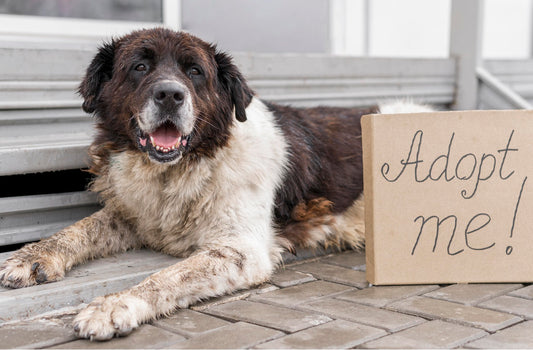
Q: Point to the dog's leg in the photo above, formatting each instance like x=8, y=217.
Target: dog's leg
x=211, y=272
x=95, y=236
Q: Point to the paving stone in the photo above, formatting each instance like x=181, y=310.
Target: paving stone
x=472, y=294
x=34, y=335
x=234, y=336
x=371, y=316
x=305, y=316
x=333, y=273
x=526, y=292
x=239, y=295
x=264, y=288
x=448, y=311
x=146, y=337
x=190, y=323
x=302, y=293
x=268, y=315
x=286, y=278
x=338, y=334
x=433, y=334
x=519, y=336
x=301, y=254
x=513, y=305
x=380, y=296
x=352, y=260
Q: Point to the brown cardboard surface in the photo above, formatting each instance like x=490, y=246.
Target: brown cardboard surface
x=449, y=197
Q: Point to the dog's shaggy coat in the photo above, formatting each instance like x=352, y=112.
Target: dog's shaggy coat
x=189, y=162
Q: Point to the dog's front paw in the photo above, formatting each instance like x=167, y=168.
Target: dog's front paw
x=112, y=315
x=25, y=269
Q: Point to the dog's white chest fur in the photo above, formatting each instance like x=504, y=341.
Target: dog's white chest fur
x=182, y=207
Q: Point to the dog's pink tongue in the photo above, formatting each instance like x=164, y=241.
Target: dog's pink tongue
x=165, y=136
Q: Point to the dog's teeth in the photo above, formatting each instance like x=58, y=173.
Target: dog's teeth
x=152, y=140
x=157, y=148
x=173, y=147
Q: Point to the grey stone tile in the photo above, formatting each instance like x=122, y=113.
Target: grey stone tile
x=472, y=294
x=380, y=296
x=448, y=311
x=286, y=278
x=268, y=315
x=301, y=254
x=433, y=334
x=337, y=334
x=526, y=292
x=145, y=337
x=189, y=323
x=352, y=260
x=333, y=273
x=371, y=316
x=519, y=336
x=34, y=334
x=509, y=304
x=235, y=336
x=239, y=295
x=301, y=293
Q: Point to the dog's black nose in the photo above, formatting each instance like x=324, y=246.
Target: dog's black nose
x=169, y=94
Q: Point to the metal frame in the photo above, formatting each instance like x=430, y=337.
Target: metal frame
x=476, y=85
x=340, y=16
x=465, y=47
x=28, y=28
x=502, y=90
x=172, y=14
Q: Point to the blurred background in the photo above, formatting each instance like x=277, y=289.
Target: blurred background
x=394, y=28
x=452, y=54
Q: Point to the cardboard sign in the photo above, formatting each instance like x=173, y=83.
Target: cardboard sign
x=449, y=197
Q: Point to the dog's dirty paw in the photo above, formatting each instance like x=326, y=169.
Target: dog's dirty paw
x=24, y=269
x=110, y=316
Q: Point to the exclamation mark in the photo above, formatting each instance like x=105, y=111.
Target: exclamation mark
x=509, y=248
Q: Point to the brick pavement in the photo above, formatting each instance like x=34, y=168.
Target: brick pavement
x=321, y=303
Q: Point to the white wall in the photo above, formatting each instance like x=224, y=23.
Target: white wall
x=420, y=28
x=507, y=29
x=391, y=28
x=260, y=25
x=409, y=28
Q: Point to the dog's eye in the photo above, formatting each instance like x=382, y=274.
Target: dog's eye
x=141, y=67
x=195, y=71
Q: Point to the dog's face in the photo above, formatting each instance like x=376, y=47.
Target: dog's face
x=165, y=94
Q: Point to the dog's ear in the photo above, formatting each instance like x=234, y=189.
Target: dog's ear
x=233, y=81
x=99, y=71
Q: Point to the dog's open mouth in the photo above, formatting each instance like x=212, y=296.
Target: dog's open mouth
x=164, y=144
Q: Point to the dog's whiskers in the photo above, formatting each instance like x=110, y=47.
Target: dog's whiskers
x=203, y=119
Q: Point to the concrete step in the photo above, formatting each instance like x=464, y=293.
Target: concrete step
x=82, y=284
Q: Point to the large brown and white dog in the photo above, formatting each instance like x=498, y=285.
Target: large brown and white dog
x=190, y=163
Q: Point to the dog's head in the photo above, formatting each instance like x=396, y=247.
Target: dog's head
x=164, y=93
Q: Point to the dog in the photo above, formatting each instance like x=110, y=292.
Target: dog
x=189, y=162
